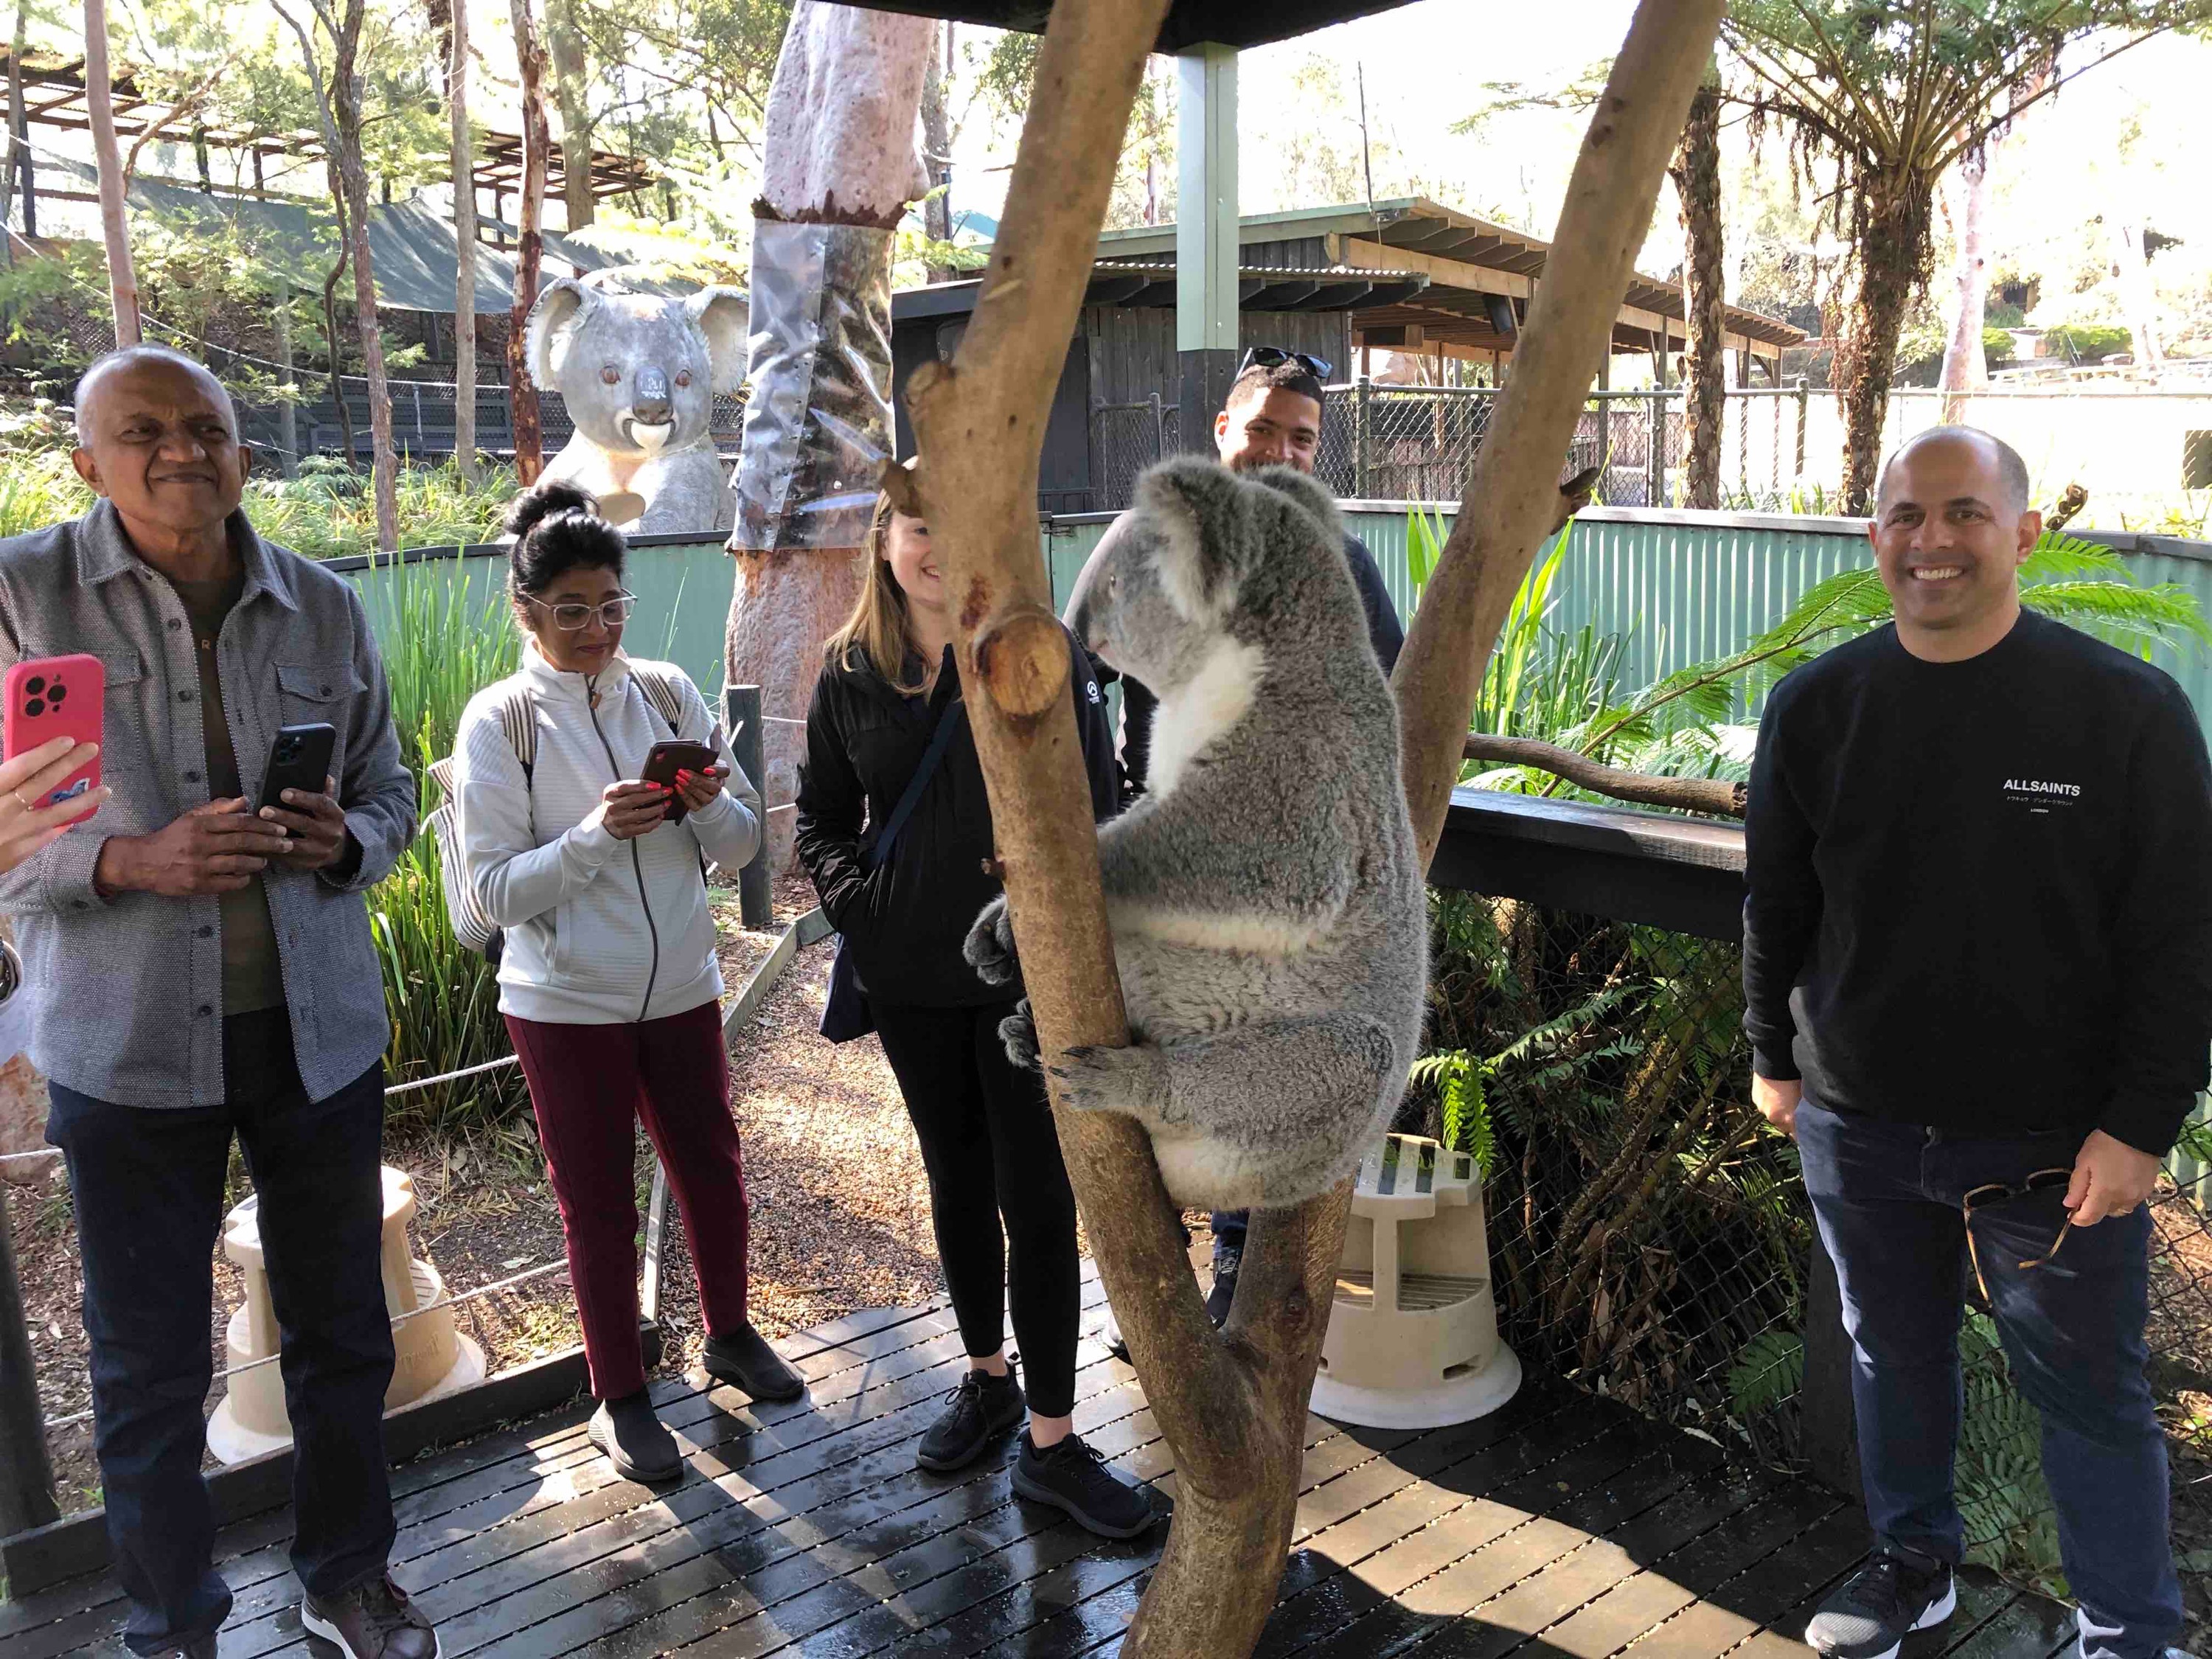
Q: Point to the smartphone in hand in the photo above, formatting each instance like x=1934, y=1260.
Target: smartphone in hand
x=665, y=760
x=298, y=759
x=49, y=697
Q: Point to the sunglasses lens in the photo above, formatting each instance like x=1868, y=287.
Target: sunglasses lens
x=2044, y=1180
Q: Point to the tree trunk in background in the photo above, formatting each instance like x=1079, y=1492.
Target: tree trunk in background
x=288, y=410
x=20, y=179
x=1512, y=496
x=530, y=248
x=114, y=217
x=1965, y=367
x=451, y=19
x=566, y=42
x=1697, y=174
x=937, y=154
x=1893, y=252
x=838, y=167
x=2138, y=295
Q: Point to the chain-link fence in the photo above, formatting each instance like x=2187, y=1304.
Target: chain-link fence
x=1650, y=1236
x=1125, y=440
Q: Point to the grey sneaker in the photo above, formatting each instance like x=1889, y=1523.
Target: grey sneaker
x=372, y=1620
x=1881, y=1604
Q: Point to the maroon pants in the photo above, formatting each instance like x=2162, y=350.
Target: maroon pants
x=589, y=1085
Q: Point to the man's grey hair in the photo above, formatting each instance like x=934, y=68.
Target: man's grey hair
x=130, y=357
x=2012, y=470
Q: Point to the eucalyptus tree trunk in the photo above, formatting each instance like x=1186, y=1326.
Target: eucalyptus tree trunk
x=530, y=248
x=1697, y=174
x=1965, y=367
x=838, y=168
x=114, y=217
x=937, y=152
x=566, y=42
x=450, y=18
x=20, y=178
x=1893, y=248
x=1230, y=1404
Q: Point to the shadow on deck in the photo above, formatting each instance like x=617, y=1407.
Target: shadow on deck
x=1564, y=1524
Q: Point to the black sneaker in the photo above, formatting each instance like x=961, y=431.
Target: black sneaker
x=1881, y=1604
x=1223, y=1293
x=744, y=1360
x=634, y=1442
x=202, y=1648
x=373, y=1621
x=1072, y=1476
x=976, y=1413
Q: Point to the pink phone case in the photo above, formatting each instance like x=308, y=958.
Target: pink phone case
x=50, y=697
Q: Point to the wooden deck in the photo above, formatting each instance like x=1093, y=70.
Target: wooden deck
x=1562, y=1525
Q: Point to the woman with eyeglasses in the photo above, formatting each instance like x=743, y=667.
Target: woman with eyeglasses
x=607, y=973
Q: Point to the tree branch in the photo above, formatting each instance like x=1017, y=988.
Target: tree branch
x=1719, y=796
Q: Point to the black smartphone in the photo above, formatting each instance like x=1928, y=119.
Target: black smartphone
x=665, y=760
x=298, y=759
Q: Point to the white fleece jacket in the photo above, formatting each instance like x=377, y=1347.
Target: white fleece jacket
x=599, y=931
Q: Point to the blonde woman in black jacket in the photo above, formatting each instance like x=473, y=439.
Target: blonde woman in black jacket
x=986, y=1135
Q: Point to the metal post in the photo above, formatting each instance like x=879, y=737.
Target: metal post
x=1655, y=454
x=1361, y=389
x=741, y=718
x=26, y=1480
x=1206, y=239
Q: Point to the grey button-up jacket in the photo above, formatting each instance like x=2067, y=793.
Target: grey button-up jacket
x=129, y=992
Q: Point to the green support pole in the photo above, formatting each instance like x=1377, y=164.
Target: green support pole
x=1207, y=346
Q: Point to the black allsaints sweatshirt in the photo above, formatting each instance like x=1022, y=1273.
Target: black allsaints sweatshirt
x=1980, y=892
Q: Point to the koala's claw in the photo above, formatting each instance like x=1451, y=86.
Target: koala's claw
x=989, y=947
x=1087, y=1078
x=1017, y=1030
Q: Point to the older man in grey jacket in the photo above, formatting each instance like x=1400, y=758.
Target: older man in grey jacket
x=204, y=969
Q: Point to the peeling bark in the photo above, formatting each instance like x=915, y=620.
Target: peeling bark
x=114, y=217
x=1965, y=367
x=1697, y=176
x=1893, y=254
x=530, y=248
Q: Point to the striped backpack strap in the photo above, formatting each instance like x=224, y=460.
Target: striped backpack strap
x=663, y=690
x=518, y=718
x=472, y=925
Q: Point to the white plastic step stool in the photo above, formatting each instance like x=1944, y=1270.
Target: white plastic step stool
x=432, y=1357
x=1412, y=1335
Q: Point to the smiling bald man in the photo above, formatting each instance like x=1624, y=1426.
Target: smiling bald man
x=1978, y=976
x=203, y=973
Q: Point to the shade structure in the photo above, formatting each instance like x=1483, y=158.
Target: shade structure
x=1225, y=23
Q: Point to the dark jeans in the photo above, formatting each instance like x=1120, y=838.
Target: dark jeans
x=1228, y=1227
x=148, y=1186
x=590, y=1086
x=991, y=1152
x=1887, y=1197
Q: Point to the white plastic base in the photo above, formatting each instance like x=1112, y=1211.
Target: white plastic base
x=234, y=1443
x=1463, y=1400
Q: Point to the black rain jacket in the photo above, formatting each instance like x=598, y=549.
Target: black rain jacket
x=905, y=921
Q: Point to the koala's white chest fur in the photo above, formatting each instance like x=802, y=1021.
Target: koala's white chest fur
x=1218, y=696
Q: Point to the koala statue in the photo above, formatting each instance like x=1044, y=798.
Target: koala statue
x=638, y=374
x=1270, y=918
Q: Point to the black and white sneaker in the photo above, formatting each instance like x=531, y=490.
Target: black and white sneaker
x=1110, y=1334
x=372, y=1620
x=1071, y=1476
x=1881, y=1604
x=976, y=1413
x=1222, y=1296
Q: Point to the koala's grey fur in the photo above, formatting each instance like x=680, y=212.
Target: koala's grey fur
x=641, y=442
x=1269, y=914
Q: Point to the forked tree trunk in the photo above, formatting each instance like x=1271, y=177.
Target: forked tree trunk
x=1232, y=1405
x=1697, y=176
x=1965, y=367
x=114, y=217
x=1512, y=496
x=337, y=107
x=1893, y=252
x=838, y=168
x=530, y=249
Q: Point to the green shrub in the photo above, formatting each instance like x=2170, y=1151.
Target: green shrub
x=1996, y=347
x=2085, y=342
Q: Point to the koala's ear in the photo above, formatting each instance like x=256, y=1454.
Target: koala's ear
x=725, y=317
x=562, y=304
x=1305, y=494
x=1202, y=514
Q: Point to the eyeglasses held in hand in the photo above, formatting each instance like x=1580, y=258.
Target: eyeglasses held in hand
x=573, y=619
x=1268, y=357
x=1997, y=1193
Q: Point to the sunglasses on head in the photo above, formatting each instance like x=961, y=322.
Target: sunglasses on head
x=1269, y=356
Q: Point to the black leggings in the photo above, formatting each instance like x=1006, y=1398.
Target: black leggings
x=988, y=1142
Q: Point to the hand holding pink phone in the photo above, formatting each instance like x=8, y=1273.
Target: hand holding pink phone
x=50, y=697
x=27, y=827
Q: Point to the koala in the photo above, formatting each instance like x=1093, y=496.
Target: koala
x=1269, y=914
x=638, y=374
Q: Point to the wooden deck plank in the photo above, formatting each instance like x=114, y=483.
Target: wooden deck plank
x=1741, y=1606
